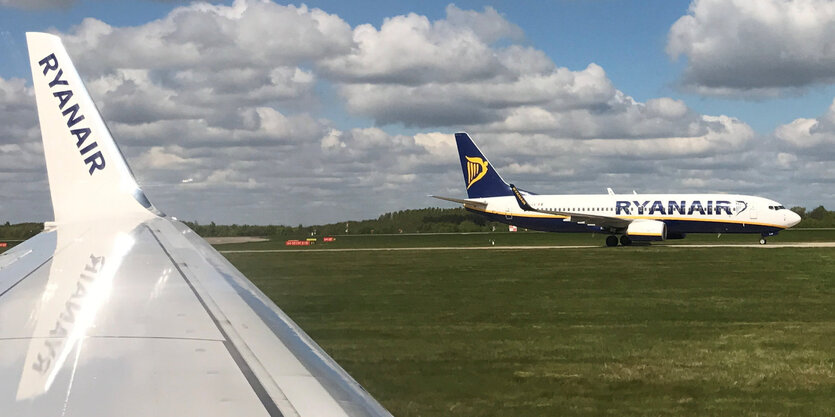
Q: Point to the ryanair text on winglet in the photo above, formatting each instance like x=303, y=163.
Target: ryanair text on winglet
x=94, y=159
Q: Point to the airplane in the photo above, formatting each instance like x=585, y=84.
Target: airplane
x=634, y=217
x=118, y=309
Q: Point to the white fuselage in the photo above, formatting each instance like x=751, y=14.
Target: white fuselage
x=689, y=213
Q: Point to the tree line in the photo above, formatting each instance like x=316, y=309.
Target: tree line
x=426, y=220
x=818, y=217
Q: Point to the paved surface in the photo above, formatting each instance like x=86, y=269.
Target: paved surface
x=235, y=239
x=683, y=246
x=756, y=245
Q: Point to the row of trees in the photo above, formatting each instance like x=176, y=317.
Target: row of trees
x=427, y=220
x=19, y=231
x=817, y=217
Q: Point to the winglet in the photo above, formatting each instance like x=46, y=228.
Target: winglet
x=520, y=199
x=89, y=178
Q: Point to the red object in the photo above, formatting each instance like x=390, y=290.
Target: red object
x=328, y=239
x=297, y=243
x=3, y=244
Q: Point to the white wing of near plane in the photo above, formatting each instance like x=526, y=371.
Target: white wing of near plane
x=117, y=309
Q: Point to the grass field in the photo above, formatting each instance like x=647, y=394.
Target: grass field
x=652, y=331
x=526, y=239
x=660, y=331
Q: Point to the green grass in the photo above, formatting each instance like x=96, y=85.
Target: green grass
x=522, y=239
x=652, y=331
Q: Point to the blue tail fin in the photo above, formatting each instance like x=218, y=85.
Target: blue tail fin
x=480, y=177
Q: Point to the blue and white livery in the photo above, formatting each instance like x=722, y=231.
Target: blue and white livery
x=633, y=217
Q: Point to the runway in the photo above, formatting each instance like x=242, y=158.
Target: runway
x=554, y=247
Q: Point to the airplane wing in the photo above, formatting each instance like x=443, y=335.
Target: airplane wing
x=117, y=309
x=481, y=205
x=609, y=222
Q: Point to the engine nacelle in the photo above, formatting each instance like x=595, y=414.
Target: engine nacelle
x=647, y=231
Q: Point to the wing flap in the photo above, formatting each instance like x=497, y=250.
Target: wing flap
x=579, y=218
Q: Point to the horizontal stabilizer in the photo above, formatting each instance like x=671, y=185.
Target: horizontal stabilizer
x=471, y=203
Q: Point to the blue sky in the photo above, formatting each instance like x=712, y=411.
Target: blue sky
x=712, y=107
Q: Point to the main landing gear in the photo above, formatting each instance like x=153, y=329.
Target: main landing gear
x=763, y=241
x=612, y=240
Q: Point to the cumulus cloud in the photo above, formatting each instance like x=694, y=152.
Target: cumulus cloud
x=755, y=48
x=458, y=78
x=218, y=109
x=811, y=136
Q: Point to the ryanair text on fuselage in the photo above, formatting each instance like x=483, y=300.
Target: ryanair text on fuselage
x=87, y=149
x=673, y=207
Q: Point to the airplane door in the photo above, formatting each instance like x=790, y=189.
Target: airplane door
x=753, y=213
x=508, y=214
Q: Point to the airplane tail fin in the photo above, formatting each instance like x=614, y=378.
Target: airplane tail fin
x=480, y=178
x=89, y=178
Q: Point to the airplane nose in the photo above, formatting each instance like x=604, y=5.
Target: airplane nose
x=792, y=218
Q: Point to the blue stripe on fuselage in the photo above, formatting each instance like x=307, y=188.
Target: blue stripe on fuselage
x=555, y=224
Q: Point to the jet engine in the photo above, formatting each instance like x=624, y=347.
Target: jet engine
x=647, y=231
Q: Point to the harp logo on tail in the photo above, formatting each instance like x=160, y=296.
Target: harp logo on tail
x=476, y=169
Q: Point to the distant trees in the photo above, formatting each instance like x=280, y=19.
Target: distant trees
x=801, y=211
x=20, y=231
x=818, y=217
x=426, y=220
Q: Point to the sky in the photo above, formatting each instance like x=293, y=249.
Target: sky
x=262, y=112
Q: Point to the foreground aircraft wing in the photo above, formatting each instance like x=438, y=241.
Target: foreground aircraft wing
x=608, y=222
x=467, y=203
x=116, y=309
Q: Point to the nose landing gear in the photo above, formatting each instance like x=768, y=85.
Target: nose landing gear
x=765, y=235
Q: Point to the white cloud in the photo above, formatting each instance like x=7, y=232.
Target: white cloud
x=812, y=137
x=412, y=50
x=231, y=97
x=755, y=48
x=488, y=25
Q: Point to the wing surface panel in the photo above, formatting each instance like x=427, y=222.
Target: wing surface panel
x=23, y=259
x=125, y=376
x=272, y=341
x=127, y=294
